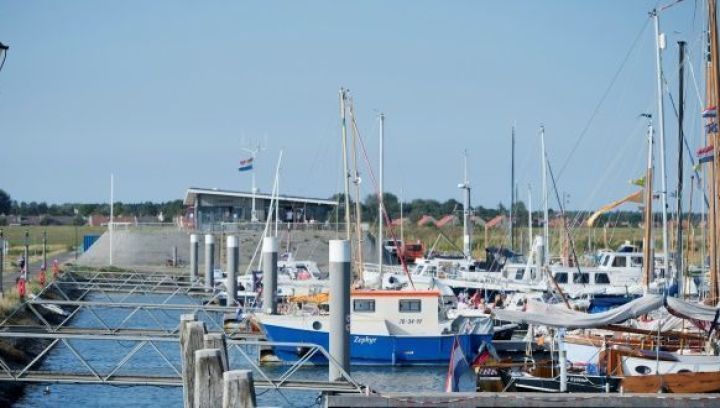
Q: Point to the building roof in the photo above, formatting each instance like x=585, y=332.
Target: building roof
x=192, y=193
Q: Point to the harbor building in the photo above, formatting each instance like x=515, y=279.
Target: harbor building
x=210, y=207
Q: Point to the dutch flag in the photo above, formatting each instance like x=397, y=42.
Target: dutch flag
x=710, y=112
x=706, y=154
x=458, y=364
x=246, y=164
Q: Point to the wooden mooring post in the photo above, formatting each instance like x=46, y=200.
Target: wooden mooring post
x=191, y=340
x=217, y=341
x=238, y=389
x=207, y=381
x=208, y=378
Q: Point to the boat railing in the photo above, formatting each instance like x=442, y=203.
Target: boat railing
x=375, y=268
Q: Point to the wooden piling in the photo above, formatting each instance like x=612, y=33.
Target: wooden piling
x=238, y=389
x=208, y=378
x=191, y=340
x=217, y=341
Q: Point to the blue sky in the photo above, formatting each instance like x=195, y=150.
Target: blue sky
x=162, y=94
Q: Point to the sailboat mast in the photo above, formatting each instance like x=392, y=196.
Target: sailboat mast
x=512, y=188
x=402, y=216
x=546, y=222
x=381, y=197
x=530, y=223
x=679, y=270
x=356, y=181
x=713, y=88
x=648, y=259
x=659, y=46
x=465, y=186
x=346, y=173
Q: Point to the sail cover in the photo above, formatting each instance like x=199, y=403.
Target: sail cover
x=704, y=317
x=558, y=315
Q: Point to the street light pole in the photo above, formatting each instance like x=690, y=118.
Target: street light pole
x=27, y=254
x=44, y=264
x=3, y=50
x=2, y=261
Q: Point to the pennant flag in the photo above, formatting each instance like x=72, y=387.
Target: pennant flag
x=246, y=164
x=711, y=127
x=635, y=197
x=640, y=182
x=710, y=112
x=457, y=364
x=706, y=154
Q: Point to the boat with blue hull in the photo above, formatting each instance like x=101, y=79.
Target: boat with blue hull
x=387, y=328
x=378, y=350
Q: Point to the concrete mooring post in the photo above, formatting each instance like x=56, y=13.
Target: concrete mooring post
x=217, y=341
x=209, y=261
x=191, y=340
x=238, y=389
x=208, y=379
x=194, y=243
x=233, y=260
x=339, y=329
x=174, y=256
x=270, y=256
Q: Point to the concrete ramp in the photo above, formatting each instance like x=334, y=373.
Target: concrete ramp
x=140, y=248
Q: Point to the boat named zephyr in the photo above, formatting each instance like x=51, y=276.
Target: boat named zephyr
x=387, y=328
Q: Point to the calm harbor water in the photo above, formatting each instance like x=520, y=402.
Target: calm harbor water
x=104, y=355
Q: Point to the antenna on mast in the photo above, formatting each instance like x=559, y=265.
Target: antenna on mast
x=253, y=150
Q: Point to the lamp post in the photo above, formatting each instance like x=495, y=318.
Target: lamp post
x=3, y=50
x=44, y=264
x=27, y=254
x=2, y=261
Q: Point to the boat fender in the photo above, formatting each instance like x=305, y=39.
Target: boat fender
x=302, y=351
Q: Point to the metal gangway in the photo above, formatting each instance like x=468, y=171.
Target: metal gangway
x=101, y=310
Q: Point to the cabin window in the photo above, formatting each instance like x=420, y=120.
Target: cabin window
x=410, y=306
x=363, y=305
x=561, y=277
x=636, y=261
x=644, y=370
x=602, y=278
x=581, y=278
x=606, y=260
x=619, y=262
x=519, y=274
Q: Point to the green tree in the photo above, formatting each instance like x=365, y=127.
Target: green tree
x=5, y=202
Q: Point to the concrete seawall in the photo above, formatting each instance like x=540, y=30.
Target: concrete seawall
x=153, y=248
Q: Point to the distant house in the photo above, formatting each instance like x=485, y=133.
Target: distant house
x=397, y=221
x=40, y=220
x=496, y=222
x=446, y=220
x=476, y=220
x=426, y=220
x=97, y=220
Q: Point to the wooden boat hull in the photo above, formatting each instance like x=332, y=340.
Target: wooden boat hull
x=575, y=383
x=679, y=383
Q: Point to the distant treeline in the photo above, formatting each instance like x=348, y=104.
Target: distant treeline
x=412, y=210
x=8, y=206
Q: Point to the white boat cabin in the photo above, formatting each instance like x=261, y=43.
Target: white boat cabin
x=404, y=311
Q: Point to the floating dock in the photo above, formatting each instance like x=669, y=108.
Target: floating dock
x=525, y=400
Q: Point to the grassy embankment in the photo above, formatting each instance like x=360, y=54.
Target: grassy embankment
x=59, y=239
